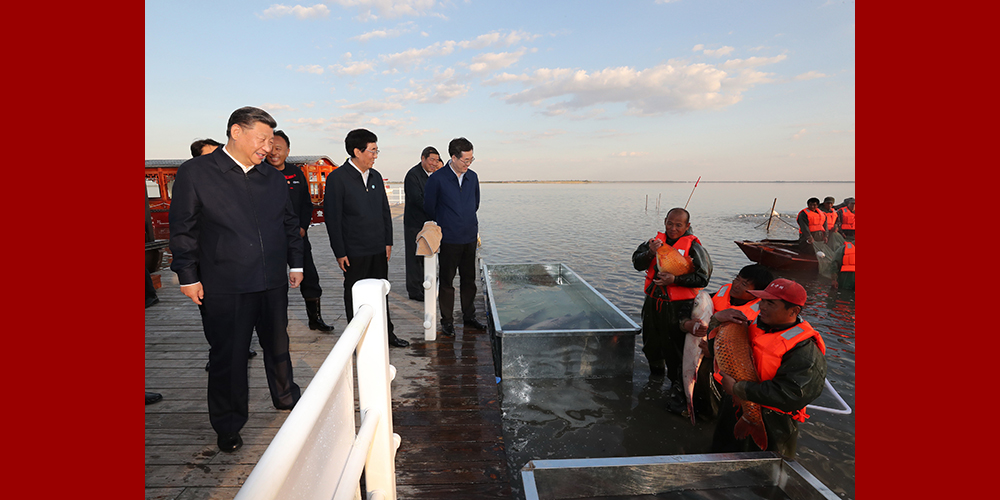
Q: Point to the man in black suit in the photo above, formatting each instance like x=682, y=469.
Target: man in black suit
x=358, y=220
x=414, y=218
x=232, y=232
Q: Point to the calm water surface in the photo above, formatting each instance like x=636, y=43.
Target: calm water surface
x=594, y=228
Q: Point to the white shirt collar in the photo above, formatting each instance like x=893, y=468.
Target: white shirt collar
x=244, y=167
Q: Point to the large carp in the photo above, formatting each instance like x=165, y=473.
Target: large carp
x=734, y=357
x=670, y=260
x=702, y=313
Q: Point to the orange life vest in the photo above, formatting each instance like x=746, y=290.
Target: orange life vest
x=817, y=220
x=831, y=218
x=674, y=292
x=721, y=301
x=847, y=218
x=848, y=265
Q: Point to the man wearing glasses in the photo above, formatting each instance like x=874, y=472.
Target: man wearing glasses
x=358, y=221
x=451, y=198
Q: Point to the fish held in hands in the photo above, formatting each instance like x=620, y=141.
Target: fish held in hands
x=691, y=362
x=734, y=357
x=668, y=259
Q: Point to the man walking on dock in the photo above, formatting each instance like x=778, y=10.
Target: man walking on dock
x=451, y=198
x=232, y=232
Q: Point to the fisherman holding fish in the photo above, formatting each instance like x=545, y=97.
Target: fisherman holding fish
x=770, y=370
x=677, y=266
x=732, y=303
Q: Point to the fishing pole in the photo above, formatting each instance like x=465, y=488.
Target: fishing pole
x=692, y=192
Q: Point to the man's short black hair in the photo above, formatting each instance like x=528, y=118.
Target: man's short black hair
x=812, y=200
x=359, y=139
x=757, y=274
x=429, y=150
x=246, y=116
x=281, y=133
x=197, y=146
x=679, y=209
x=458, y=146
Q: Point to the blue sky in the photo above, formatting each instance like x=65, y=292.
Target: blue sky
x=545, y=90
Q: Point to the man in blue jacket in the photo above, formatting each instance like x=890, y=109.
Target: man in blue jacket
x=451, y=198
x=232, y=232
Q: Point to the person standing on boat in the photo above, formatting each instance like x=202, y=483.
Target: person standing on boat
x=358, y=220
x=298, y=192
x=414, y=218
x=831, y=215
x=789, y=357
x=669, y=298
x=451, y=198
x=232, y=233
x=845, y=220
x=812, y=223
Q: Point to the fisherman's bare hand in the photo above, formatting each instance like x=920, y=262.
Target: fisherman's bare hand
x=344, y=263
x=703, y=344
x=695, y=327
x=731, y=316
x=728, y=383
x=663, y=278
x=388, y=252
x=302, y=232
x=654, y=244
x=295, y=279
x=194, y=292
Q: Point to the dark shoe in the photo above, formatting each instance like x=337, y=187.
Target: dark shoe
x=289, y=407
x=152, y=397
x=230, y=442
x=447, y=330
x=418, y=298
x=315, y=318
x=252, y=353
x=152, y=301
x=474, y=324
x=397, y=342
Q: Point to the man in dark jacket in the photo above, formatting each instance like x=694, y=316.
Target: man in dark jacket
x=358, y=220
x=298, y=192
x=670, y=298
x=451, y=198
x=779, y=337
x=232, y=232
x=414, y=218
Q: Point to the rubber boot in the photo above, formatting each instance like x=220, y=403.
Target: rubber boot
x=315, y=320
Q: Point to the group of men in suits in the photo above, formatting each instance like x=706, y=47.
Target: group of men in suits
x=239, y=241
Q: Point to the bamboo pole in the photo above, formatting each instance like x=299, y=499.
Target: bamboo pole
x=771, y=215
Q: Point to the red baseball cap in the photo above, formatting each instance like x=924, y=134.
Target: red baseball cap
x=784, y=289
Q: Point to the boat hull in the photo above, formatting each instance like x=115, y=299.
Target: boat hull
x=779, y=254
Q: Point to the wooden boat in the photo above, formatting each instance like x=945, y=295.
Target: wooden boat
x=779, y=254
x=160, y=182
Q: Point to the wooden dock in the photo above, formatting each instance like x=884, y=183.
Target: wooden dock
x=445, y=400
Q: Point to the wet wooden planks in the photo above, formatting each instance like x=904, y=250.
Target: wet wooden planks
x=445, y=405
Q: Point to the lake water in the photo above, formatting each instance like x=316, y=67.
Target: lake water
x=594, y=228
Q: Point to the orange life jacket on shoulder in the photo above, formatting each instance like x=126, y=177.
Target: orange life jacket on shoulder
x=848, y=265
x=831, y=218
x=847, y=218
x=817, y=220
x=721, y=301
x=683, y=245
x=768, y=348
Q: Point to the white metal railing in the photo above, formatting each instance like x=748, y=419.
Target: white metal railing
x=316, y=453
x=430, y=296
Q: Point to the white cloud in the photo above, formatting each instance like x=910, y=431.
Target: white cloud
x=411, y=57
x=525, y=137
x=810, y=75
x=799, y=135
x=277, y=10
x=497, y=39
x=506, y=77
x=388, y=8
x=271, y=107
x=664, y=88
x=492, y=61
x=722, y=51
x=386, y=33
x=372, y=106
x=630, y=154
x=353, y=68
x=312, y=68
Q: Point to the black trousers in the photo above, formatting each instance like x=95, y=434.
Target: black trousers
x=310, y=276
x=460, y=258
x=414, y=263
x=229, y=321
x=370, y=266
x=662, y=337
